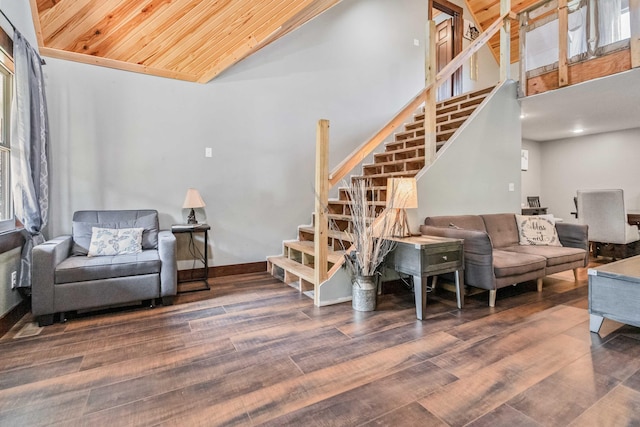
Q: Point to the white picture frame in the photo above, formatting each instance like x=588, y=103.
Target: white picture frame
x=524, y=160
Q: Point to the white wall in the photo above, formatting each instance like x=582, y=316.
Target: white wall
x=608, y=160
x=532, y=178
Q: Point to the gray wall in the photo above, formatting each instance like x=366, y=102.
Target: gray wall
x=473, y=173
x=608, y=160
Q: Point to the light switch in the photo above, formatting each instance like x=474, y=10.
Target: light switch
x=416, y=42
x=512, y=186
x=208, y=152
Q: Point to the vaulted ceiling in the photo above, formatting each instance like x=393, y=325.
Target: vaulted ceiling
x=192, y=40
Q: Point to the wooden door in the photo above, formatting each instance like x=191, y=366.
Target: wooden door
x=444, y=55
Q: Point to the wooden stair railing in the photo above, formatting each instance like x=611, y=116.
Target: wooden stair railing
x=360, y=153
x=313, y=272
x=402, y=157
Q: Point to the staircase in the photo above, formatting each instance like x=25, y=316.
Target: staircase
x=404, y=157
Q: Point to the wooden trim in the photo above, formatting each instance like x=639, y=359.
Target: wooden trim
x=11, y=240
x=603, y=66
x=36, y=23
x=563, y=38
x=111, y=63
x=224, y=270
x=14, y=315
x=524, y=18
x=321, y=221
x=634, y=12
x=360, y=153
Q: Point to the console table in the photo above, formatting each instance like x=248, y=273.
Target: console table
x=614, y=293
x=424, y=256
x=195, y=253
x=534, y=211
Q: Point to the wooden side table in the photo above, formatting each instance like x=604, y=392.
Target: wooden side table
x=424, y=256
x=197, y=255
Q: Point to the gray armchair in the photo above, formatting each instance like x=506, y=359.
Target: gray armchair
x=609, y=233
x=66, y=279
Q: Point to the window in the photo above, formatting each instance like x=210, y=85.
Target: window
x=6, y=91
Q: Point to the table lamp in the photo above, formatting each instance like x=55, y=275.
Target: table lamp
x=193, y=200
x=402, y=193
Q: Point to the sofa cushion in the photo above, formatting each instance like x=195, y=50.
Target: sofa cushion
x=537, y=230
x=555, y=255
x=502, y=229
x=506, y=263
x=82, y=268
x=84, y=221
x=467, y=222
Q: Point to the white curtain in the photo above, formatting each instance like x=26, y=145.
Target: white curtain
x=29, y=145
x=608, y=13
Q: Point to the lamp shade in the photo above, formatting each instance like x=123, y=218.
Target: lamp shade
x=402, y=193
x=193, y=199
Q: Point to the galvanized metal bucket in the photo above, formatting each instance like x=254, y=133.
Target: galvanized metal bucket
x=365, y=293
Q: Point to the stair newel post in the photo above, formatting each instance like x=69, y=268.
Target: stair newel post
x=321, y=223
x=505, y=41
x=430, y=95
x=563, y=35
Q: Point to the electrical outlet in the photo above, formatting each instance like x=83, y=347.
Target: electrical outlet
x=14, y=279
x=208, y=152
x=512, y=186
x=416, y=42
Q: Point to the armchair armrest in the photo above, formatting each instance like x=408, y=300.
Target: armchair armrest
x=169, y=270
x=46, y=258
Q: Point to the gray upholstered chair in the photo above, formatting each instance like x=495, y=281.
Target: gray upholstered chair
x=609, y=233
x=65, y=278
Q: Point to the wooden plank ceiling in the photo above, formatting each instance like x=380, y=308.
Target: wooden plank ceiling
x=485, y=12
x=192, y=40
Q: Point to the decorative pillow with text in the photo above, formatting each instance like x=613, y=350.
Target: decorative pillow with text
x=537, y=230
x=115, y=241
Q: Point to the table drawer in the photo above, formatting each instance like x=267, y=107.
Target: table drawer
x=443, y=257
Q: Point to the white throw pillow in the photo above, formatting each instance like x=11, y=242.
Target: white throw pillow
x=537, y=230
x=114, y=241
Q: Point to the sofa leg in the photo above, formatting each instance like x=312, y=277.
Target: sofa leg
x=168, y=300
x=539, y=284
x=45, y=320
x=575, y=274
x=492, y=297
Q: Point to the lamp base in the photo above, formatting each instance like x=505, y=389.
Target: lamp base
x=191, y=219
x=401, y=224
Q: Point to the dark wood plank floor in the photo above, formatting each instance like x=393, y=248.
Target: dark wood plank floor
x=253, y=351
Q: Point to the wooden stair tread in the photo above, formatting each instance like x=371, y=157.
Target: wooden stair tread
x=308, y=247
x=408, y=174
x=302, y=271
x=332, y=233
x=395, y=162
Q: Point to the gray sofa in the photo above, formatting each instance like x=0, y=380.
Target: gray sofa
x=66, y=279
x=493, y=257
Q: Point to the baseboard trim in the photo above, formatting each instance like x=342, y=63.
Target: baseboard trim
x=13, y=316
x=224, y=270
